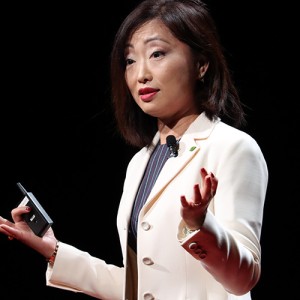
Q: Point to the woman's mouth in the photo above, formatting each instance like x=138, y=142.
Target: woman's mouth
x=148, y=97
x=147, y=94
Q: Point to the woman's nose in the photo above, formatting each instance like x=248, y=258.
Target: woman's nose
x=144, y=74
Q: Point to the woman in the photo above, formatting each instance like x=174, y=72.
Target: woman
x=190, y=216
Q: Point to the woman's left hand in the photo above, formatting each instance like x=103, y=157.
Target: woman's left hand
x=194, y=211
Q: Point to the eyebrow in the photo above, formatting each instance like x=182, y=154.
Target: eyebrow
x=151, y=39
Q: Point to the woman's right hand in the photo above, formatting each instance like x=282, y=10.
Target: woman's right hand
x=19, y=230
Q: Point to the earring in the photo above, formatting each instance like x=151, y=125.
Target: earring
x=202, y=68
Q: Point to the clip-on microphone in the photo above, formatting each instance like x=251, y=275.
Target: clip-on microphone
x=172, y=145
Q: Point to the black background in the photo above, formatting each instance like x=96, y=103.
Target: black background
x=58, y=140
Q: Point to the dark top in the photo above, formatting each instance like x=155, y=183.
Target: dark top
x=156, y=162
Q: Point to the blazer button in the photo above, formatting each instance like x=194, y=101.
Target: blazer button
x=148, y=261
x=197, y=250
x=148, y=296
x=146, y=226
x=193, y=246
x=202, y=254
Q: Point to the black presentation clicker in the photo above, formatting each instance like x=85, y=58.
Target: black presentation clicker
x=37, y=219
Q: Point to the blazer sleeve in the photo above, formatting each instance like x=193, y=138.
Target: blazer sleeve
x=78, y=271
x=228, y=243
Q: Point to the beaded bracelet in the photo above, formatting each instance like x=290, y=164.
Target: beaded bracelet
x=51, y=259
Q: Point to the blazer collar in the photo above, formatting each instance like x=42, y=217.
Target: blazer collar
x=189, y=146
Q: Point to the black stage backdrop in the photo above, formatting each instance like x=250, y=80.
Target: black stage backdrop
x=58, y=140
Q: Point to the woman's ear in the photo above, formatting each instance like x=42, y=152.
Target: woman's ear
x=202, y=68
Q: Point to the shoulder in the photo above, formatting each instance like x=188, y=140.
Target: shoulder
x=225, y=132
x=228, y=140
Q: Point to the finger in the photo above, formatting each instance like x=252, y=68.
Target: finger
x=197, y=195
x=4, y=224
x=3, y=229
x=214, y=184
x=4, y=221
x=203, y=173
x=183, y=201
x=7, y=229
x=206, y=184
x=206, y=188
x=17, y=213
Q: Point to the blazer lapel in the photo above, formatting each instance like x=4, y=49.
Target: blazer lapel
x=189, y=146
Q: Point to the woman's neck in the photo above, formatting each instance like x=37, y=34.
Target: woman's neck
x=177, y=128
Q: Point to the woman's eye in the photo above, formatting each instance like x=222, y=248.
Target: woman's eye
x=129, y=61
x=157, y=54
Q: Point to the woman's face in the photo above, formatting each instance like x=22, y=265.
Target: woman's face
x=161, y=72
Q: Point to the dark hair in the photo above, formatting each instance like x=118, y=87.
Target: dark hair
x=191, y=23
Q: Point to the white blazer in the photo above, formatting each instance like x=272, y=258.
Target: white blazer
x=222, y=261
